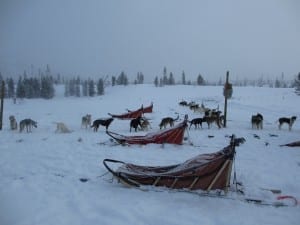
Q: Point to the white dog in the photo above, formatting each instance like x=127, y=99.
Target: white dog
x=86, y=121
x=13, y=123
x=62, y=128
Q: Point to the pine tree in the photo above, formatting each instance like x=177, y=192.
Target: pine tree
x=85, y=88
x=140, y=78
x=20, y=88
x=67, y=88
x=122, y=79
x=183, y=78
x=200, y=80
x=156, y=81
x=100, y=87
x=47, y=87
x=165, y=78
x=171, y=80
x=113, y=81
x=297, y=84
x=91, y=88
x=10, y=88
x=77, y=87
x=36, y=86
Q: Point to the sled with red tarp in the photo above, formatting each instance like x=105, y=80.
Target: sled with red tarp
x=211, y=171
x=133, y=114
x=173, y=135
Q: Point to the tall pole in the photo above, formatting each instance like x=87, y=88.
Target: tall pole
x=2, y=103
x=226, y=96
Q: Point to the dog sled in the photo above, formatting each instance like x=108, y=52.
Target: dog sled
x=206, y=175
x=173, y=135
x=133, y=114
x=206, y=172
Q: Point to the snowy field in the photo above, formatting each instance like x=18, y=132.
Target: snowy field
x=41, y=171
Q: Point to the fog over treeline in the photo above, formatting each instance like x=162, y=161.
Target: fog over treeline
x=41, y=84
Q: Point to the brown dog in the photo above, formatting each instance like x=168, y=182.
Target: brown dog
x=167, y=120
x=257, y=121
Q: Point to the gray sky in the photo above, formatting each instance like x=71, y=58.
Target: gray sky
x=97, y=37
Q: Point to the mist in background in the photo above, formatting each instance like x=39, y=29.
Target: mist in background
x=97, y=38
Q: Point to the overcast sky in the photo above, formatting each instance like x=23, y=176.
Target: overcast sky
x=99, y=37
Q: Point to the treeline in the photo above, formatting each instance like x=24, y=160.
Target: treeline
x=77, y=87
x=41, y=85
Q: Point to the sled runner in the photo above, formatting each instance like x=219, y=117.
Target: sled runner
x=207, y=172
x=133, y=114
x=292, y=144
x=172, y=135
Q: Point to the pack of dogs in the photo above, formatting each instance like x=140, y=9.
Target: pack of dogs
x=143, y=124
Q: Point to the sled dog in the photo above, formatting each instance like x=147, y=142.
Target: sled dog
x=13, y=123
x=289, y=121
x=167, y=120
x=145, y=124
x=197, y=122
x=28, y=124
x=101, y=122
x=86, y=121
x=257, y=121
x=213, y=119
x=135, y=123
x=62, y=128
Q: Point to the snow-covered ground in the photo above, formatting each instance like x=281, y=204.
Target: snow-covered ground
x=40, y=171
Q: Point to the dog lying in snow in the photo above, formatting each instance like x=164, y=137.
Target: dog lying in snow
x=61, y=128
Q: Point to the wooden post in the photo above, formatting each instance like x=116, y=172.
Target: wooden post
x=2, y=103
x=225, y=105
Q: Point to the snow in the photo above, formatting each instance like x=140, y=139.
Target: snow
x=41, y=171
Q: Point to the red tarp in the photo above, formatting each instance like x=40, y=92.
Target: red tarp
x=134, y=114
x=172, y=135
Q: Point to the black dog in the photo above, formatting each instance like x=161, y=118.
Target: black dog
x=196, y=122
x=289, y=121
x=135, y=123
x=101, y=122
